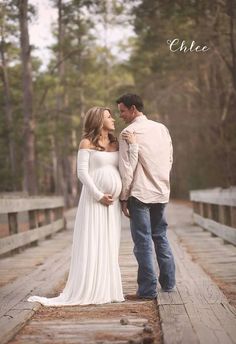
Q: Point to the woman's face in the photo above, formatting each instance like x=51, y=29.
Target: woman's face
x=108, y=121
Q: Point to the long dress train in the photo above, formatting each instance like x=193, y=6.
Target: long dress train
x=94, y=275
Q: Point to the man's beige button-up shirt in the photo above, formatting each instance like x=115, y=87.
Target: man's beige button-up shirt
x=149, y=182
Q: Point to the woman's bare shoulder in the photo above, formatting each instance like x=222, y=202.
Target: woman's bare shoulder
x=85, y=144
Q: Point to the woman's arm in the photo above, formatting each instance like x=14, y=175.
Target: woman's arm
x=83, y=174
x=85, y=178
x=133, y=148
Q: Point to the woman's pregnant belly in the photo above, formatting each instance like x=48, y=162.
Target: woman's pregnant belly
x=107, y=180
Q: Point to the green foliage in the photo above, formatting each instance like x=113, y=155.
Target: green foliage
x=192, y=93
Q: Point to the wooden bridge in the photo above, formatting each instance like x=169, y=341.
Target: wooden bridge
x=200, y=310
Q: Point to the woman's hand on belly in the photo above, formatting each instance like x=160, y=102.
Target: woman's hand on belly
x=106, y=200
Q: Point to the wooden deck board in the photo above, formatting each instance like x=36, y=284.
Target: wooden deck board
x=197, y=312
x=218, y=259
x=176, y=325
x=191, y=314
x=50, y=329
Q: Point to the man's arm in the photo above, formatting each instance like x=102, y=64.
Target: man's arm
x=126, y=170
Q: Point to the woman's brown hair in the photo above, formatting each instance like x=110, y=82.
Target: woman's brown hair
x=93, y=123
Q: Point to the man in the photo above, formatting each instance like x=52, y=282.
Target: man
x=144, y=195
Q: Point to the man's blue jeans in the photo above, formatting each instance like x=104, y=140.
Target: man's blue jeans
x=148, y=225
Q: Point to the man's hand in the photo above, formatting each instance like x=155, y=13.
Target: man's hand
x=125, y=208
x=106, y=199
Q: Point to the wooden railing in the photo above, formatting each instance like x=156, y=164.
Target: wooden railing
x=215, y=211
x=43, y=216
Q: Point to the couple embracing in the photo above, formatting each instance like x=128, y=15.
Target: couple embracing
x=131, y=175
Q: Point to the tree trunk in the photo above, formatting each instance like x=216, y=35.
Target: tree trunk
x=61, y=185
x=105, y=18
x=30, y=181
x=232, y=29
x=8, y=112
x=73, y=159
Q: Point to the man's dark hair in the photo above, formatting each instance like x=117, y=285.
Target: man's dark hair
x=130, y=99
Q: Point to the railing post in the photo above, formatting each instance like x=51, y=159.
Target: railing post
x=221, y=214
x=40, y=218
x=233, y=217
x=205, y=210
x=45, y=217
x=217, y=211
x=209, y=211
x=201, y=210
x=32, y=219
x=48, y=220
x=227, y=216
x=33, y=223
x=13, y=225
x=196, y=207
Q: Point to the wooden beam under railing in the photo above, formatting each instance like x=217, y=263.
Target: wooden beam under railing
x=45, y=217
x=215, y=211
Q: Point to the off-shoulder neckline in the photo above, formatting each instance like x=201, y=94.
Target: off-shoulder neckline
x=96, y=150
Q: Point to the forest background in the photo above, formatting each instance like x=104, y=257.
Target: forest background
x=193, y=94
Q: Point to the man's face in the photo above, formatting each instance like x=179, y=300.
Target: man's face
x=125, y=113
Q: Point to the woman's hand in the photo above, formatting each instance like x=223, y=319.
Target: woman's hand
x=129, y=137
x=106, y=200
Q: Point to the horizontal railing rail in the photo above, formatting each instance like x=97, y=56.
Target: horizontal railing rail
x=42, y=216
x=215, y=211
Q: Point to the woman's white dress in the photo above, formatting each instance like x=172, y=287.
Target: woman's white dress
x=94, y=275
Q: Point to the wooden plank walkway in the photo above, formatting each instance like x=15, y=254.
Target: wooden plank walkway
x=113, y=323
x=215, y=256
x=197, y=312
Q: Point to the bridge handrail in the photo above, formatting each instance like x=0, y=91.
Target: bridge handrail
x=16, y=205
x=45, y=217
x=215, y=196
x=215, y=211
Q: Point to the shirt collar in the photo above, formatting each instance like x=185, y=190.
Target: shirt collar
x=139, y=119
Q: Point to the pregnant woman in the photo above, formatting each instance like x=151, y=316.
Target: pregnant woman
x=94, y=276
